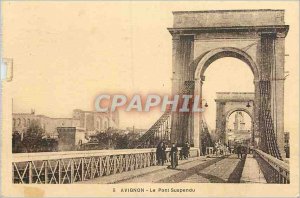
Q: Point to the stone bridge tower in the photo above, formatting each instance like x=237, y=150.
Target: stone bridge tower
x=228, y=103
x=256, y=37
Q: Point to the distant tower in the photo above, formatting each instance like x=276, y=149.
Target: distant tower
x=239, y=122
x=115, y=118
x=236, y=122
x=242, y=121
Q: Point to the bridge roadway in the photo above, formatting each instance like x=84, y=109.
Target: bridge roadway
x=194, y=170
x=139, y=165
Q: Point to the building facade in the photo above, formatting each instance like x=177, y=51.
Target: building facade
x=84, y=122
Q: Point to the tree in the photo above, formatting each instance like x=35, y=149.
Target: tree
x=122, y=141
x=16, y=142
x=48, y=145
x=33, y=137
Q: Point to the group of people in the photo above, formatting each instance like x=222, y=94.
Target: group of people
x=220, y=149
x=161, y=155
x=241, y=151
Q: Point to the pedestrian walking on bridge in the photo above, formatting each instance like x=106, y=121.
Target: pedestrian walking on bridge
x=161, y=153
x=239, y=151
x=173, y=155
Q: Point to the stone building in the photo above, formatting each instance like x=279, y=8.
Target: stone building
x=239, y=122
x=84, y=121
x=21, y=121
x=96, y=121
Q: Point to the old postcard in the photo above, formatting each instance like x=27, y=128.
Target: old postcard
x=149, y=98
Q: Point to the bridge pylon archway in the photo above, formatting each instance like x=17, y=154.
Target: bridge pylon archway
x=228, y=103
x=256, y=37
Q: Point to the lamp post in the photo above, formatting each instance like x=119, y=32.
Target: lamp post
x=206, y=105
x=248, y=104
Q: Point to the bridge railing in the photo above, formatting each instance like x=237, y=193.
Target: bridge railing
x=70, y=167
x=275, y=170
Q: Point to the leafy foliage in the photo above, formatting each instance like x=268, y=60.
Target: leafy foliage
x=33, y=137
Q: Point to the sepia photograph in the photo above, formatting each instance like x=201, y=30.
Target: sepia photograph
x=149, y=98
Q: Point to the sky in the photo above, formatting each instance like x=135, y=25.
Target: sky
x=66, y=53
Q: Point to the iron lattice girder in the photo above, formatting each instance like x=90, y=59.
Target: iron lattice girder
x=162, y=122
x=269, y=142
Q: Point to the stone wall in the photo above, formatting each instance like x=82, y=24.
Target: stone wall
x=220, y=18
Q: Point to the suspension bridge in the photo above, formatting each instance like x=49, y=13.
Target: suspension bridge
x=254, y=36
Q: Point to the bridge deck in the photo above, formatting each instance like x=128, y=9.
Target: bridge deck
x=158, y=174
x=139, y=167
x=126, y=176
x=194, y=170
x=228, y=170
x=252, y=172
